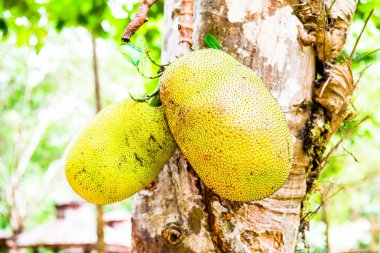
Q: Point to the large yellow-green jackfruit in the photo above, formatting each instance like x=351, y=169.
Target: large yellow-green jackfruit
x=121, y=152
x=227, y=124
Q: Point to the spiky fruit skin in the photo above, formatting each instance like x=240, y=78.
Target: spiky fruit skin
x=227, y=124
x=121, y=152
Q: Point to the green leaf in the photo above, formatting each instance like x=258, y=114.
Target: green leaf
x=212, y=42
x=132, y=53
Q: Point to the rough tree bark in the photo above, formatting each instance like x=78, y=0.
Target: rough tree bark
x=178, y=213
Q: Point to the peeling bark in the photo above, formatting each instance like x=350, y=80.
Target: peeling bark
x=178, y=213
x=328, y=21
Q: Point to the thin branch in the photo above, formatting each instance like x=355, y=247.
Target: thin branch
x=147, y=77
x=361, y=73
x=345, y=136
x=100, y=246
x=360, y=35
x=136, y=99
x=326, y=220
x=154, y=62
x=185, y=26
x=140, y=18
x=96, y=74
x=350, y=154
x=367, y=54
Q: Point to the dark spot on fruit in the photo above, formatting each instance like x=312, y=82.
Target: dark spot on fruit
x=138, y=159
x=251, y=173
x=151, y=137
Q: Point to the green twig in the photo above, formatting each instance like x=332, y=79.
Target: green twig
x=154, y=62
x=136, y=99
x=360, y=35
x=366, y=55
x=148, y=77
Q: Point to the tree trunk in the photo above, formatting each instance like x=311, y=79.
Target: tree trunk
x=179, y=213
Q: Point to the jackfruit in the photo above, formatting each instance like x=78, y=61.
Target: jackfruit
x=121, y=152
x=227, y=124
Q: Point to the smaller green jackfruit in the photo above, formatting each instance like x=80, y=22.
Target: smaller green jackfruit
x=121, y=152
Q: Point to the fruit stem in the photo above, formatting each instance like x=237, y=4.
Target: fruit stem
x=155, y=101
x=154, y=93
x=136, y=99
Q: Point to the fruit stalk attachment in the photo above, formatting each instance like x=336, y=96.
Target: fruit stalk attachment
x=140, y=18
